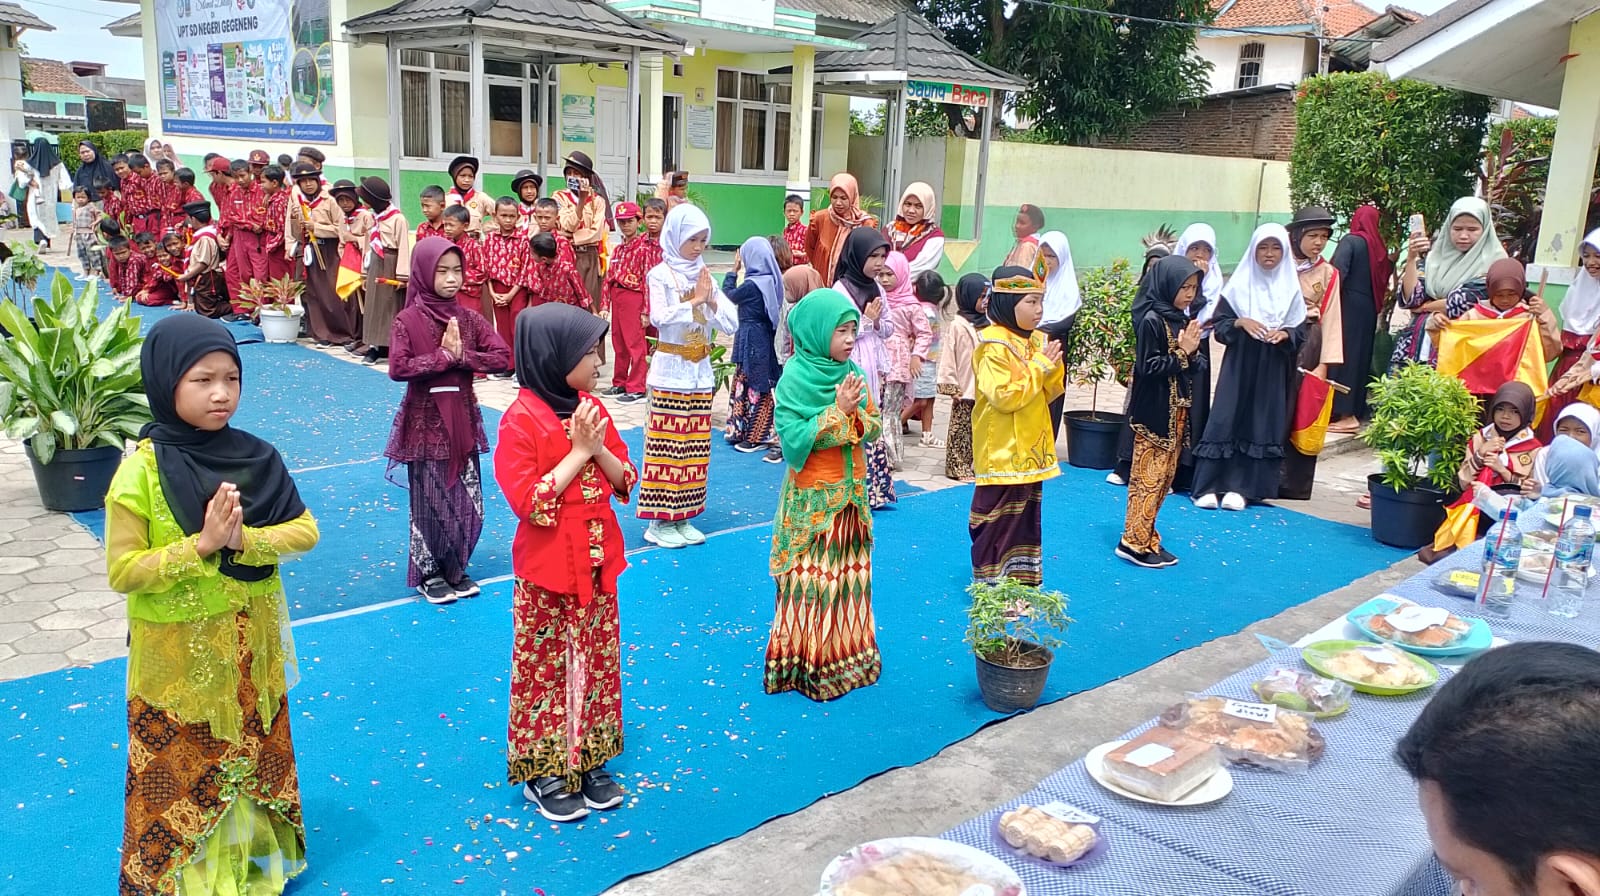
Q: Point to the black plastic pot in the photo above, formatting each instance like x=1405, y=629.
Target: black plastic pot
x=1405, y=519
x=75, y=479
x=1092, y=439
x=1008, y=689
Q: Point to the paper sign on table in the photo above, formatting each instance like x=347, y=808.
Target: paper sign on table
x=1149, y=755
x=1413, y=619
x=1383, y=656
x=1069, y=814
x=1251, y=712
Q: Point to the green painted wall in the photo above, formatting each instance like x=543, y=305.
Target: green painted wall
x=1098, y=236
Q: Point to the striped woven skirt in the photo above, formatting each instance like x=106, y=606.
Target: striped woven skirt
x=1005, y=525
x=677, y=452
x=824, y=642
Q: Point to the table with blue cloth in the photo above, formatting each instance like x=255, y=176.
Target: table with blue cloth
x=1349, y=826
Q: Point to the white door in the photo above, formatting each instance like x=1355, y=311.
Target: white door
x=611, y=136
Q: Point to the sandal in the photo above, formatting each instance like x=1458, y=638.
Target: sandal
x=1364, y=502
x=1351, y=426
x=928, y=441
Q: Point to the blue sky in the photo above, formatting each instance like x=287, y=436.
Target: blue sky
x=78, y=33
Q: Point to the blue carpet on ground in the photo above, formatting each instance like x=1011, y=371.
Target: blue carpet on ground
x=400, y=716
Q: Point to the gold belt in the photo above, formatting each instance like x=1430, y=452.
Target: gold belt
x=691, y=353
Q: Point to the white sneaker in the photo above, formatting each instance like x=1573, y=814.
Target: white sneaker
x=664, y=535
x=690, y=534
x=1114, y=479
x=1206, y=502
x=1233, y=501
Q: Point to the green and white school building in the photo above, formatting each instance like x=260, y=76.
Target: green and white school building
x=398, y=89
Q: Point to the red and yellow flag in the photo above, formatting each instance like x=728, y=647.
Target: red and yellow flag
x=349, y=271
x=1487, y=354
x=1313, y=407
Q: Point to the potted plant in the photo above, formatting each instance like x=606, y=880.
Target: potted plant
x=71, y=389
x=1013, y=630
x=275, y=306
x=20, y=271
x=1421, y=423
x=1101, y=346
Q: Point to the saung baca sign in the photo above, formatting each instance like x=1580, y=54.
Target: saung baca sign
x=941, y=92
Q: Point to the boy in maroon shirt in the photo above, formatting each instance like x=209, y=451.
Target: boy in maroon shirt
x=432, y=200
x=506, y=261
x=274, y=221
x=126, y=269
x=454, y=221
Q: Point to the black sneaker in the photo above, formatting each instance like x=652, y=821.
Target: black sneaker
x=599, y=791
x=774, y=455
x=1167, y=557
x=749, y=448
x=613, y=392
x=1147, y=560
x=631, y=397
x=465, y=587
x=321, y=343
x=437, y=591
x=553, y=801
x=371, y=357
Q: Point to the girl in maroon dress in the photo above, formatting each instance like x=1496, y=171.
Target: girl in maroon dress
x=435, y=347
x=560, y=463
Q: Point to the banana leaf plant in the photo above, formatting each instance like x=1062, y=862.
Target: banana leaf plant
x=69, y=379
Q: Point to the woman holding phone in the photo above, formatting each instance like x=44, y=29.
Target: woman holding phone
x=1444, y=278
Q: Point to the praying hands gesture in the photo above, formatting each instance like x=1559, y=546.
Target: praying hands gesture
x=873, y=311
x=224, y=522
x=1052, y=352
x=588, y=430
x=451, y=341
x=1189, y=339
x=701, y=294
x=848, y=395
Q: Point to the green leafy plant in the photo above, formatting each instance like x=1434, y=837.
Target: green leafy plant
x=1007, y=617
x=1421, y=423
x=1102, y=342
x=67, y=378
x=1403, y=145
x=23, y=268
x=109, y=143
x=1516, y=163
x=280, y=295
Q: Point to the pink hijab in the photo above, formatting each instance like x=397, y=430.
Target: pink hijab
x=902, y=295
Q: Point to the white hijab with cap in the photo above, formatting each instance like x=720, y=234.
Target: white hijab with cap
x=1211, y=282
x=1061, y=296
x=1580, y=310
x=1271, y=297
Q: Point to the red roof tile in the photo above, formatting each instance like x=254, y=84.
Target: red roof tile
x=52, y=76
x=1340, y=17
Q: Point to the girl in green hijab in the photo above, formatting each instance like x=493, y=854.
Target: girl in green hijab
x=822, y=642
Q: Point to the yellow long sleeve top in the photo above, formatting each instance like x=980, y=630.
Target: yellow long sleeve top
x=188, y=623
x=1012, y=443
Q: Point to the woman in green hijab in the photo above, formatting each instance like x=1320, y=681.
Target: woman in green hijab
x=823, y=643
x=1450, y=278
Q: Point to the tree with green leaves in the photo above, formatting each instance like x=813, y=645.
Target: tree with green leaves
x=1092, y=76
x=1405, y=146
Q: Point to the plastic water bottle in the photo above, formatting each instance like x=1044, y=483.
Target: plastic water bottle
x=1574, y=550
x=1500, y=586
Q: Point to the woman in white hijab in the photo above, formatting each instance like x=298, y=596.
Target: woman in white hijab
x=1580, y=318
x=1261, y=318
x=1061, y=301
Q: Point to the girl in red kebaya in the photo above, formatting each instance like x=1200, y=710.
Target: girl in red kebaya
x=560, y=463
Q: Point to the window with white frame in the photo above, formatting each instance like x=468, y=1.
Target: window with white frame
x=753, y=127
x=436, y=107
x=816, y=137
x=671, y=132
x=1251, y=56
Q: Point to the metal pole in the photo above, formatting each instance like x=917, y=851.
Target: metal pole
x=897, y=154
x=396, y=126
x=983, y=164
x=476, y=144
x=545, y=73
x=634, y=126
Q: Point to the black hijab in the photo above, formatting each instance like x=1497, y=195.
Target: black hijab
x=550, y=340
x=1003, y=305
x=94, y=170
x=193, y=463
x=859, y=245
x=1151, y=256
x=970, y=290
x=42, y=156
x=1520, y=396
x=1159, y=287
